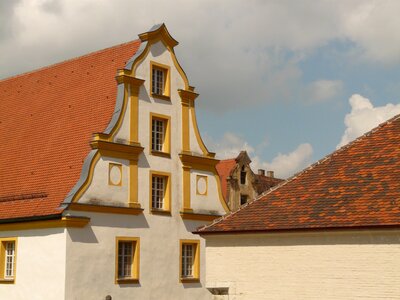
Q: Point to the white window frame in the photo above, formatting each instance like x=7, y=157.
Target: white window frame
x=158, y=128
x=158, y=81
x=158, y=189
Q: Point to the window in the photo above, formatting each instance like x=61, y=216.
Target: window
x=190, y=260
x=127, y=260
x=160, y=134
x=160, y=192
x=160, y=81
x=243, y=199
x=7, y=259
x=243, y=176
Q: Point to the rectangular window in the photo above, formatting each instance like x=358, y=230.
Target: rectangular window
x=160, y=134
x=8, y=259
x=243, y=175
x=243, y=199
x=190, y=260
x=160, y=80
x=157, y=134
x=160, y=192
x=127, y=260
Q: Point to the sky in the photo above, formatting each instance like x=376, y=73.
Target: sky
x=287, y=81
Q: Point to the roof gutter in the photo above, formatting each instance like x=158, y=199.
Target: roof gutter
x=32, y=218
x=298, y=230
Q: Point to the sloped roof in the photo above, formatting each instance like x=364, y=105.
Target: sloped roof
x=47, y=118
x=224, y=169
x=356, y=186
x=265, y=182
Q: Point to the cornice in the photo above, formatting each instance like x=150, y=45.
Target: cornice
x=126, y=151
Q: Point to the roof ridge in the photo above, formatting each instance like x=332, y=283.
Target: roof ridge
x=307, y=169
x=66, y=61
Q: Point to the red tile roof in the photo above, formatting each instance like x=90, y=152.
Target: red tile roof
x=224, y=169
x=47, y=118
x=356, y=186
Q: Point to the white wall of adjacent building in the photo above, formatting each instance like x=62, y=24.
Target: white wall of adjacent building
x=40, y=265
x=325, y=265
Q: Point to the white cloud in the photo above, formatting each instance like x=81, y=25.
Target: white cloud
x=252, y=57
x=322, y=90
x=228, y=146
x=284, y=165
x=364, y=117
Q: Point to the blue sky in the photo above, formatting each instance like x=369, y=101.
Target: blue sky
x=286, y=80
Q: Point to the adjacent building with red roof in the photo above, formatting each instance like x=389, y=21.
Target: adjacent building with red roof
x=329, y=232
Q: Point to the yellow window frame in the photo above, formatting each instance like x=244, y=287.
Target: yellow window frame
x=3, y=242
x=166, y=94
x=166, y=147
x=135, y=267
x=167, y=192
x=196, y=261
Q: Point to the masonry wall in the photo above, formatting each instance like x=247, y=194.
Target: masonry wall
x=328, y=265
x=40, y=265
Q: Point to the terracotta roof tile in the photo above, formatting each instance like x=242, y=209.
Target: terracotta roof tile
x=356, y=186
x=47, y=118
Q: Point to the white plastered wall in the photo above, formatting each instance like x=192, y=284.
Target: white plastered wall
x=40, y=265
x=91, y=258
x=194, y=145
x=328, y=265
x=208, y=203
x=100, y=191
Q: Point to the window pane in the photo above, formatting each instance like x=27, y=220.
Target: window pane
x=157, y=134
x=125, y=259
x=158, y=192
x=187, y=260
x=9, y=259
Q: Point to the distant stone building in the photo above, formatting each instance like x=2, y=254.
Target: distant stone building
x=239, y=183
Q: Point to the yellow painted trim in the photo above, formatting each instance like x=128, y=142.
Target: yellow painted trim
x=198, y=217
x=133, y=84
x=220, y=196
x=4, y=280
x=196, y=263
x=116, y=150
x=167, y=195
x=187, y=97
x=135, y=260
x=198, y=177
x=186, y=189
x=167, y=139
x=110, y=167
x=133, y=200
x=88, y=179
x=202, y=163
x=77, y=222
x=153, y=37
x=160, y=33
x=166, y=95
x=105, y=209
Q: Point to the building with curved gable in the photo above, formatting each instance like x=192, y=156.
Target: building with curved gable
x=104, y=177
